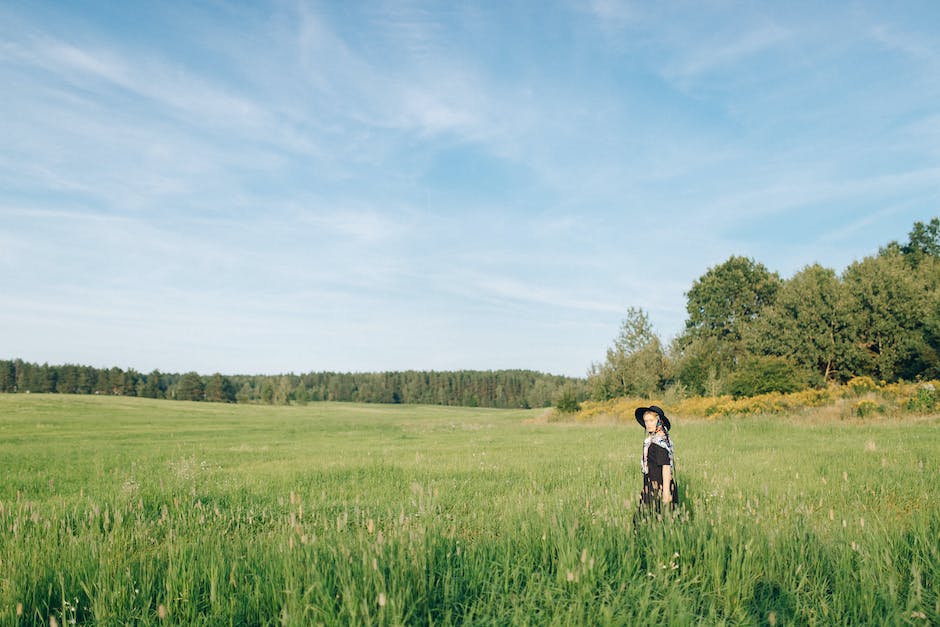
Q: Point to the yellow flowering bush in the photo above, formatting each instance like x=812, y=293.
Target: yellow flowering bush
x=861, y=397
x=861, y=385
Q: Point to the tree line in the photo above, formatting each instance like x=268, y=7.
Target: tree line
x=750, y=332
x=474, y=388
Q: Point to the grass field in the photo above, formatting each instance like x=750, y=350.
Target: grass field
x=116, y=511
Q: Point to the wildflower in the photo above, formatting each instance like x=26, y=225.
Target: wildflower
x=161, y=612
x=19, y=609
x=920, y=615
x=569, y=576
x=772, y=619
x=382, y=599
x=53, y=622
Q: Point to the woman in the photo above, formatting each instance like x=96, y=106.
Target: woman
x=657, y=462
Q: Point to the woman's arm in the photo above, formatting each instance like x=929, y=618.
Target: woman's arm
x=667, y=483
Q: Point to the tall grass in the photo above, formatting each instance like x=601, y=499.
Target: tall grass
x=116, y=511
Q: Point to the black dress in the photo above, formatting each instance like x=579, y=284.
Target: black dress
x=651, y=496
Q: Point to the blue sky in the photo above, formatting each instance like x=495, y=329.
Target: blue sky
x=296, y=186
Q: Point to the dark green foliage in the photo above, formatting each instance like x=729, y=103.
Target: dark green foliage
x=923, y=242
x=7, y=376
x=190, y=388
x=925, y=401
x=764, y=374
x=809, y=324
x=696, y=365
x=567, y=400
x=471, y=388
x=881, y=319
x=722, y=305
x=887, y=310
x=727, y=297
x=220, y=389
x=152, y=386
x=635, y=365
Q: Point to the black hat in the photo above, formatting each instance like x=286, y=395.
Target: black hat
x=656, y=410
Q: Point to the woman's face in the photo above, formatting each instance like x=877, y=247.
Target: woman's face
x=650, y=419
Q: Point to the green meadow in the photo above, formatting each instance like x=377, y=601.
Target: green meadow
x=133, y=511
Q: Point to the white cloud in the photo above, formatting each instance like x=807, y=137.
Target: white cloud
x=907, y=42
x=612, y=13
x=361, y=225
x=796, y=189
x=416, y=98
x=724, y=50
x=278, y=194
x=504, y=288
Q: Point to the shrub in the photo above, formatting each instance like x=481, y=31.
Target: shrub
x=865, y=408
x=567, y=401
x=762, y=375
x=924, y=400
x=861, y=385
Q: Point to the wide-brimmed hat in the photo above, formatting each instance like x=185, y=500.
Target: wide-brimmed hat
x=656, y=410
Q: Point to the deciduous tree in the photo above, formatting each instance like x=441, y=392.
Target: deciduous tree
x=635, y=364
x=808, y=324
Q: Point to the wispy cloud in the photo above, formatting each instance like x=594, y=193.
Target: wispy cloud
x=404, y=97
x=725, y=50
x=612, y=13
x=504, y=288
x=367, y=226
x=908, y=42
x=434, y=185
